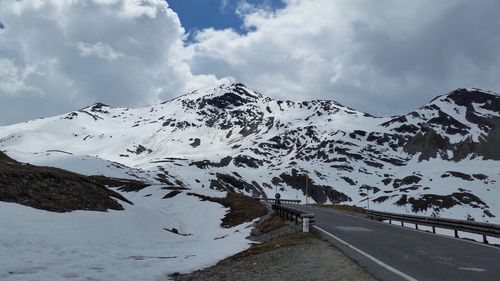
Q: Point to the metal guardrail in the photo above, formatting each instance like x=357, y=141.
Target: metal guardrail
x=272, y=200
x=293, y=214
x=484, y=229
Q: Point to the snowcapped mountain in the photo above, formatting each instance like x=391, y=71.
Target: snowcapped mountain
x=441, y=159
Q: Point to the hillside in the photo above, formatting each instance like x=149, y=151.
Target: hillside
x=441, y=159
x=59, y=225
x=53, y=189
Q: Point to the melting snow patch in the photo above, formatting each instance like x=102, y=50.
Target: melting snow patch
x=116, y=245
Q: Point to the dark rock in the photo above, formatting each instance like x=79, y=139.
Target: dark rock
x=381, y=199
x=244, y=160
x=140, y=149
x=349, y=180
x=460, y=175
x=386, y=181
x=320, y=193
x=196, y=142
x=413, y=179
x=53, y=189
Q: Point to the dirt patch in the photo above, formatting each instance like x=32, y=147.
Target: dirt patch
x=295, y=256
x=241, y=208
x=53, y=189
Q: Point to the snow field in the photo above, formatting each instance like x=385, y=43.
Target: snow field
x=118, y=245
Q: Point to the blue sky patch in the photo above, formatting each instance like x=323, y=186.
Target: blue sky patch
x=218, y=14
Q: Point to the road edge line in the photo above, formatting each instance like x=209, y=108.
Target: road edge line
x=372, y=258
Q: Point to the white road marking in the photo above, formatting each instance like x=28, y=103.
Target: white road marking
x=377, y=261
x=476, y=269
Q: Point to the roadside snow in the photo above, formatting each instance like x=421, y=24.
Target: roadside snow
x=117, y=245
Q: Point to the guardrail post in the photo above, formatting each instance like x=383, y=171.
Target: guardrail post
x=434, y=229
x=402, y=223
x=416, y=226
x=485, y=240
x=390, y=221
x=456, y=234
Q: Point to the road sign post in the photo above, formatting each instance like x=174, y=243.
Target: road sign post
x=305, y=224
x=307, y=189
x=367, y=198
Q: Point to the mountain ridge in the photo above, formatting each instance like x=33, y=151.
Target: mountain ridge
x=231, y=138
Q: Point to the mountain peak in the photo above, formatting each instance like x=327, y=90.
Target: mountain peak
x=97, y=107
x=223, y=96
x=466, y=97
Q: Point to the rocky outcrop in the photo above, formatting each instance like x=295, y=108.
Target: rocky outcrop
x=53, y=189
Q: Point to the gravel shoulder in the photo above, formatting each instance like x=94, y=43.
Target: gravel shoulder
x=283, y=253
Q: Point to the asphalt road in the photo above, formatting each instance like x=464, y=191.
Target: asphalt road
x=391, y=252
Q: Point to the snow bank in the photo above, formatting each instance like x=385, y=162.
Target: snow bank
x=118, y=245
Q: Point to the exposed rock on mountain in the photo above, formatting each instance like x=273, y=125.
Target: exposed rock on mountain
x=231, y=138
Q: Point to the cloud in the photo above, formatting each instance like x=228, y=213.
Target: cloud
x=11, y=78
x=383, y=57
x=58, y=56
x=223, y=6
x=100, y=50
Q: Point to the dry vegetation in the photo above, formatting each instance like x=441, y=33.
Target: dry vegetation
x=281, y=242
x=242, y=208
x=346, y=208
x=273, y=223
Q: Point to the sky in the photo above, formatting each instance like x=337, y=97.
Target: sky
x=196, y=15
x=383, y=57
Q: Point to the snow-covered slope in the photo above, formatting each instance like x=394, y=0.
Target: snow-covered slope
x=77, y=228
x=441, y=159
x=132, y=244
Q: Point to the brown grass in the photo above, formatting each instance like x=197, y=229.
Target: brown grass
x=346, y=208
x=242, y=208
x=280, y=242
x=273, y=223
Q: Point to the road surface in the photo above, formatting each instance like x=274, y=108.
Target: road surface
x=391, y=252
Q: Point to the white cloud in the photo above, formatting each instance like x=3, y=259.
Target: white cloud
x=100, y=50
x=11, y=78
x=383, y=57
x=62, y=55
x=223, y=5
